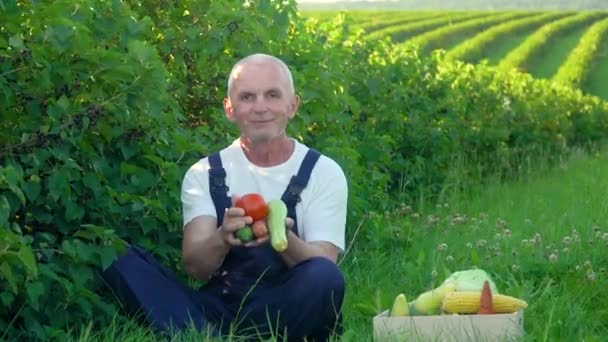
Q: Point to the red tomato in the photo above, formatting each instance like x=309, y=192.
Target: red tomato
x=259, y=228
x=254, y=206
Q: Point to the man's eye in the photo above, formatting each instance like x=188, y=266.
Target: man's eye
x=275, y=95
x=246, y=97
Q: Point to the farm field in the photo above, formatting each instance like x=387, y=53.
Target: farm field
x=491, y=36
x=597, y=83
x=547, y=61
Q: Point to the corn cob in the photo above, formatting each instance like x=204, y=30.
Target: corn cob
x=467, y=302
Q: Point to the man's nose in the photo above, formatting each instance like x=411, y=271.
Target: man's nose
x=260, y=104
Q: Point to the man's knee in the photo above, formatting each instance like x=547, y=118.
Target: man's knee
x=325, y=275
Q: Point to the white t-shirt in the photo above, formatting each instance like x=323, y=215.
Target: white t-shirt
x=321, y=214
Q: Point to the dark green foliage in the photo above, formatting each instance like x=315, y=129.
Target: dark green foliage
x=105, y=104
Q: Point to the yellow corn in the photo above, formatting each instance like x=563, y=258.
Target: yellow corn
x=467, y=302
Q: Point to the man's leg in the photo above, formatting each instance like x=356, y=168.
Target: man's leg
x=306, y=302
x=154, y=294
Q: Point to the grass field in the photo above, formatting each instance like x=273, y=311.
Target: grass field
x=543, y=239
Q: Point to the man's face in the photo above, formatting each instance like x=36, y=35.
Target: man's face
x=261, y=101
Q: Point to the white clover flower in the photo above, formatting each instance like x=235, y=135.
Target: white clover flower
x=553, y=257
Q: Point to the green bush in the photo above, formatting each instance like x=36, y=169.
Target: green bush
x=106, y=104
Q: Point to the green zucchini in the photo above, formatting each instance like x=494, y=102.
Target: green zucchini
x=277, y=213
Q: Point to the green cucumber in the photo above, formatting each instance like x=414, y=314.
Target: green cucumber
x=277, y=213
x=244, y=234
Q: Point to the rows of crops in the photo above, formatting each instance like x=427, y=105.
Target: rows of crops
x=566, y=46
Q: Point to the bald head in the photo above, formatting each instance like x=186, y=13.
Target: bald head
x=260, y=58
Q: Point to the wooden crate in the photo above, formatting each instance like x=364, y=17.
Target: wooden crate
x=496, y=327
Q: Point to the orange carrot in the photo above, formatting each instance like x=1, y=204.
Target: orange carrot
x=485, y=302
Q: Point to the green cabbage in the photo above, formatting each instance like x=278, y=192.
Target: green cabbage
x=471, y=280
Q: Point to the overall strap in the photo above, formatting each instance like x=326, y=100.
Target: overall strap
x=217, y=187
x=291, y=196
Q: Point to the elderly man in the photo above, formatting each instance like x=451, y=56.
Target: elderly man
x=251, y=289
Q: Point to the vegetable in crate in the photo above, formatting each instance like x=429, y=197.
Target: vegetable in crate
x=485, y=300
x=468, y=302
x=429, y=303
x=471, y=280
x=400, y=306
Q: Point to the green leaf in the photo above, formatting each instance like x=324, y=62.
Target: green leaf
x=16, y=42
x=142, y=52
x=7, y=298
x=32, y=190
x=58, y=185
x=73, y=211
x=27, y=257
x=34, y=291
x=68, y=248
x=107, y=256
x=7, y=274
x=90, y=181
x=63, y=103
x=81, y=275
x=5, y=210
x=13, y=177
x=85, y=251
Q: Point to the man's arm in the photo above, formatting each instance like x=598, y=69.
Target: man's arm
x=299, y=250
x=203, y=247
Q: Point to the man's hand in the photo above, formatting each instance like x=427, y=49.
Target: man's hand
x=299, y=250
x=235, y=219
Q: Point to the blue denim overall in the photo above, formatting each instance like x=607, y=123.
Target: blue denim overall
x=253, y=293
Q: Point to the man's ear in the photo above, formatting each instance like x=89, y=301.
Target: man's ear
x=294, y=105
x=228, y=109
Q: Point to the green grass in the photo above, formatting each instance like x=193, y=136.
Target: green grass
x=596, y=84
x=546, y=63
x=543, y=238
